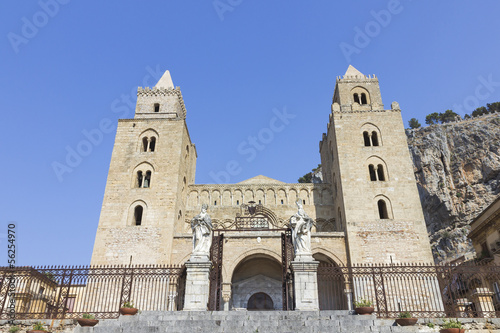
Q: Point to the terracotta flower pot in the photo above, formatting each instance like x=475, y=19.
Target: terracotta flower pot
x=406, y=321
x=87, y=322
x=364, y=310
x=128, y=311
x=452, y=330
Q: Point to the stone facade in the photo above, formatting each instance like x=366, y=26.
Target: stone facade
x=150, y=196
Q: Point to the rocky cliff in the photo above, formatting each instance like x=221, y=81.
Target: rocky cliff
x=457, y=168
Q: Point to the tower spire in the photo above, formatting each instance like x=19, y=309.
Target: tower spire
x=351, y=71
x=165, y=81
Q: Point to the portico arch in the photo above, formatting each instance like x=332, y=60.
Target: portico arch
x=257, y=274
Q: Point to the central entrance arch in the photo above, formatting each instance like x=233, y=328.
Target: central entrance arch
x=257, y=284
x=261, y=302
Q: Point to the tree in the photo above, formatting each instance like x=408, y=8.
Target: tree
x=413, y=123
x=307, y=178
x=493, y=107
x=432, y=118
x=479, y=111
x=467, y=116
x=447, y=116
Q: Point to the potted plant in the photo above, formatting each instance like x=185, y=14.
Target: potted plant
x=405, y=319
x=128, y=309
x=37, y=328
x=87, y=320
x=452, y=327
x=363, y=307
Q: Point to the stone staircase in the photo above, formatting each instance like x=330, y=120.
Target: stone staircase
x=247, y=322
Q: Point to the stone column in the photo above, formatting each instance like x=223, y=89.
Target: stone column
x=482, y=298
x=226, y=295
x=197, y=284
x=305, y=278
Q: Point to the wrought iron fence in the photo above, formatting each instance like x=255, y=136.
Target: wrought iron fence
x=69, y=292
x=422, y=290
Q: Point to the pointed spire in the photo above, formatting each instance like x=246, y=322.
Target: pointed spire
x=351, y=71
x=165, y=81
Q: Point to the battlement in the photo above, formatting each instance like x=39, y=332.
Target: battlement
x=357, y=78
x=169, y=101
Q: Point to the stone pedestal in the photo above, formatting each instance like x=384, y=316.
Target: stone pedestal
x=483, y=301
x=461, y=305
x=197, y=284
x=305, y=278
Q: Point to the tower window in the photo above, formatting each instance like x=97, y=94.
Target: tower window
x=380, y=172
x=366, y=138
x=356, y=98
x=303, y=202
x=215, y=203
x=237, y=202
x=147, y=179
x=363, y=99
x=281, y=201
x=145, y=144
x=373, y=175
x=152, y=144
x=138, y=215
x=157, y=107
x=139, y=179
x=382, y=209
x=374, y=138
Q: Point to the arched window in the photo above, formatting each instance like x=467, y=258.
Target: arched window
x=147, y=179
x=152, y=144
x=363, y=99
x=138, y=215
x=144, y=144
x=373, y=175
x=380, y=172
x=366, y=138
x=139, y=179
x=374, y=138
x=356, y=98
x=157, y=107
x=382, y=209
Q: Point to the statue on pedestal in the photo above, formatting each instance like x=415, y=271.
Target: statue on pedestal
x=202, y=228
x=301, y=225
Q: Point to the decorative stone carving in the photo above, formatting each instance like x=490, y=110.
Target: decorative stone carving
x=201, y=226
x=301, y=225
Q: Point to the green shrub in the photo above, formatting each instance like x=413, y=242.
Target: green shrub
x=452, y=324
x=430, y=325
x=128, y=305
x=405, y=314
x=361, y=303
x=88, y=316
x=38, y=326
x=14, y=329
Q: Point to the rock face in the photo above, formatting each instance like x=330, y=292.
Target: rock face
x=457, y=168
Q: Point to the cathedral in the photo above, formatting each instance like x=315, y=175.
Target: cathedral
x=365, y=211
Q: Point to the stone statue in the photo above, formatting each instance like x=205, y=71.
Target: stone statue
x=301, y=225
x=202, y=228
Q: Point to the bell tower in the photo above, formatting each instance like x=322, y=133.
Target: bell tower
x=365, y=158
x=152, y=164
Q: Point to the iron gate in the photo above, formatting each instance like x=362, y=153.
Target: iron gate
x=214, y=301
x=287, y=275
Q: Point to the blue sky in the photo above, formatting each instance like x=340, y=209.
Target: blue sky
x=69, y=66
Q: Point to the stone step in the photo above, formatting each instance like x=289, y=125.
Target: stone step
x=247, y=322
